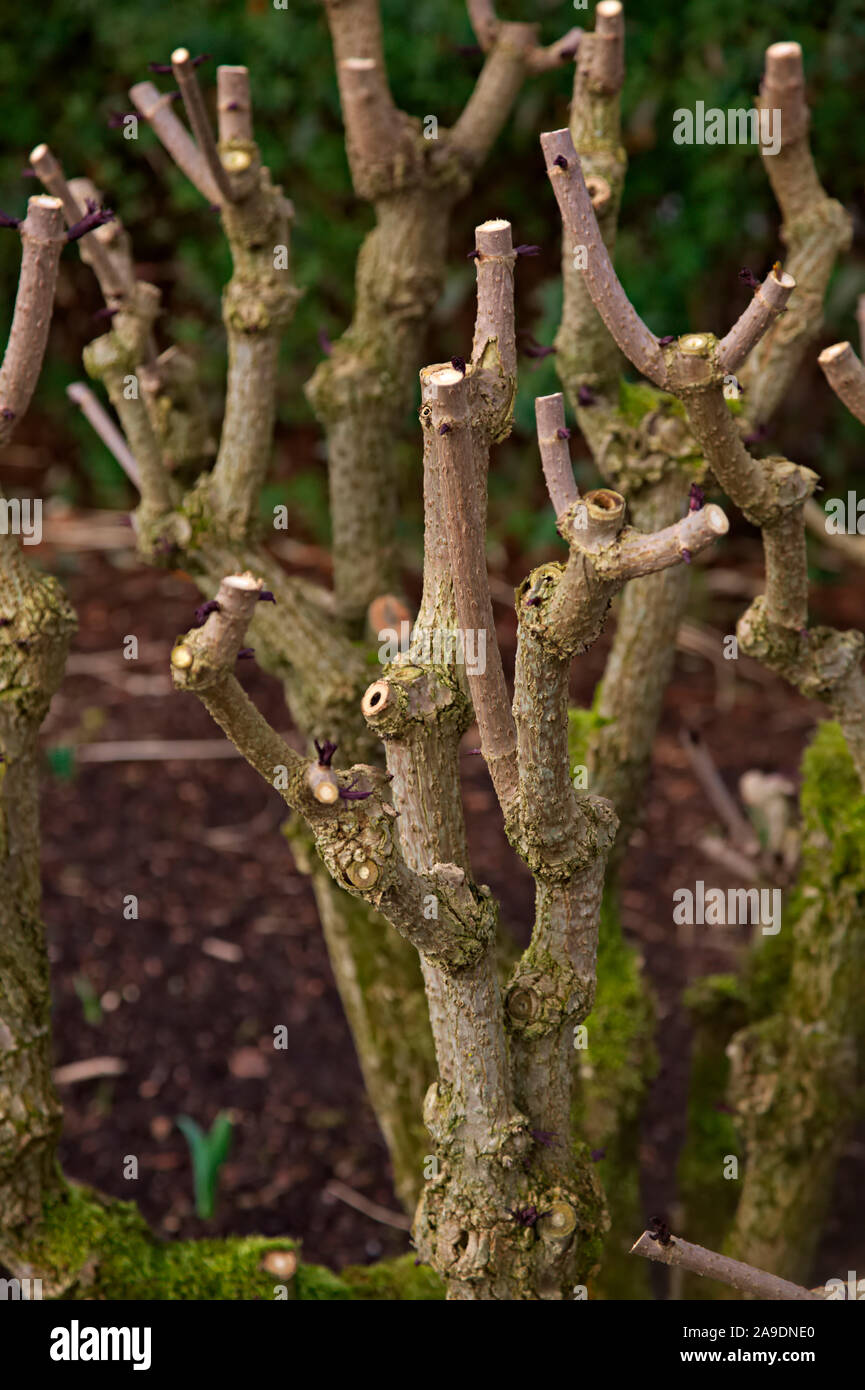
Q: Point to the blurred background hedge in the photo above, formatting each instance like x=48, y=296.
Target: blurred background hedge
x=692, y=216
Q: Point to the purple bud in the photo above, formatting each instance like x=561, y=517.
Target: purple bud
x=585, y=396
x=160, y=67
x=246, y=654
x=757, y=435
x=598, y=1154
x=667, y=340
x=96, y=217
x=527, y=250
x=547, y=1137
x=28, y=173
x=232, y=105
x=266, y=597
x=202, y=58
x=560, y=161
x=532, y=348
x=473, y=255
x=324, y=343
x=749, y=277
x=325, y=752
x=7, y=413
x=686, y=556
x=459, y=364
x=7, y=221
x=563, y=433
x=696, y=498
x=444, y=428
x=105, y=313
x=348, y=793
x=203, y=612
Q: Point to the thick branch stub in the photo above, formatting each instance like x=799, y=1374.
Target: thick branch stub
x=233, y=105
x=846, y=375
x=42, y=240
x=494, y=343
x=783, y=89
x=602, y=53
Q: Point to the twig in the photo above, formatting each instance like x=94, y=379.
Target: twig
x=90, y=1069
x=371, y=1209
x=184, y=74
x=720, y=798
x=175, y=138
x=710, y=1265
x=98, y=417
x=554, y=451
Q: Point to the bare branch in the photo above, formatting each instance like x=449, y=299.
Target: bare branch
x=466, y=535
x=234, y=105
x=355, y=836
x=187, y=81
x=494, y=346
x=111, y=437
x=488, y=30
x=846, y=375
x=738, y=826
x=768, y=302
x=113, y=281
x=710, y=1265
x=490, y=103
x=602, y=53
x=581, y=231
x=816, y=228
x=635, y=554
x=158, y=111
x=42, y=240
x=554, y=451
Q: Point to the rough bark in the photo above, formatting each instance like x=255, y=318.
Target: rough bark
x=796, y=1078
x=362, y=391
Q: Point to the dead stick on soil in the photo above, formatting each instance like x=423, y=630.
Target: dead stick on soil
x=371, y=1209
x=710, y=1265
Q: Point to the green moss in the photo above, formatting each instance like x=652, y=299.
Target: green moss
x=717, y=1004
x=399, y=1280
x=637, y=399
x=582, y=723
x=615, y=1071
x=91, y=1247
